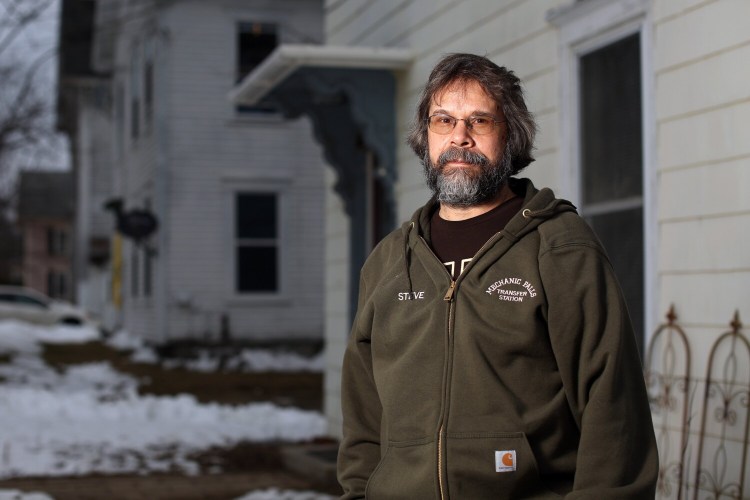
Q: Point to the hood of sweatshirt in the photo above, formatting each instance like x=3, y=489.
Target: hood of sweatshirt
x=538, y=206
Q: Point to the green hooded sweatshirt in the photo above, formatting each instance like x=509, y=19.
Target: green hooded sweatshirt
x=521, y=379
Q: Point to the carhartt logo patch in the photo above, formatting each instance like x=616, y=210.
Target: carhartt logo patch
x=505, y=461
x=512, y=289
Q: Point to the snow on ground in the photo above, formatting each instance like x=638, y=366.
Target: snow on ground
x=276, y=494
x=22, y=495
x=90, y=418
x=245, y=360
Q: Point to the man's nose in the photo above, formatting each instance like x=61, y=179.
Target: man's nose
x=461, y=135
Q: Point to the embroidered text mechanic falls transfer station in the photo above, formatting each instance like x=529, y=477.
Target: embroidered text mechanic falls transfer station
x=434, y=388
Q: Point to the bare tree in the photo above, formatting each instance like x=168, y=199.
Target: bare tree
x=25, y=108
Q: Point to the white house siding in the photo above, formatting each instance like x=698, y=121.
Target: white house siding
x=94, y=176
x=337, y=319
x=700, y=136
x=214, y=152
x=134, y=158
x=513, y=33
x=197, y=152
x=702, y=84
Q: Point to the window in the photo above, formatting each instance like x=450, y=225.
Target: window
x=57, y=242
x=120, y=127
x=147, y=260
x=257, y=242
x=134, y=271
x=607, y=139
x=611, y=161
x=57, y=285
x=148, y=85
x=255, y=42
x=135, y=92
x=147, y=271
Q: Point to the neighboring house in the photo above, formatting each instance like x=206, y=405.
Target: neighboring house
x=46, y=206
x=643, y=113
x=237, y=192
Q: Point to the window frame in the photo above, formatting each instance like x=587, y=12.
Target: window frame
x=583, y=28
x=241, y=242
x=57, y=241
x=231, y=187
x=148, y=73
x=253, y=112
x=135, y=91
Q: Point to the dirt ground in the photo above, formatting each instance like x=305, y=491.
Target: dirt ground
x=301, y=389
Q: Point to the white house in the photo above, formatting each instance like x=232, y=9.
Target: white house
x=236, y=191
x=644, y=115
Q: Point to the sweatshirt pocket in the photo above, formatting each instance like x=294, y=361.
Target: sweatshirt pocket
x=406, y=471
x=496, y=465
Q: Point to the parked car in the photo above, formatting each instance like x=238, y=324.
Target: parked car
x=28, y=305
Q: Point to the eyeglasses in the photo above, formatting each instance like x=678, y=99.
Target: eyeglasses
x=444, y=124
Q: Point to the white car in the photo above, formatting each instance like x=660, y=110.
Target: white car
x=28, y=305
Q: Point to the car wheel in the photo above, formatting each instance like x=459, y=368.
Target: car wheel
x=70, y=321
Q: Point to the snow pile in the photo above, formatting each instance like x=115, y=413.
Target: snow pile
x=50, y=433
x=23, y=495
x=90, y=418
x=19, y=337
x=251, y=360
x=276, y=494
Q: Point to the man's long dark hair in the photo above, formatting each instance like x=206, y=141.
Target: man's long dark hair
x=499, y=83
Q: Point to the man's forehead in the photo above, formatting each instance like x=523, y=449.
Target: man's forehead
x=461, y=88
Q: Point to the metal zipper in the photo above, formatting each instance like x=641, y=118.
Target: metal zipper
x=449, y=294
x=448, y=298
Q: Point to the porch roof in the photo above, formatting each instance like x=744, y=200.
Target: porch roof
x=288, y=58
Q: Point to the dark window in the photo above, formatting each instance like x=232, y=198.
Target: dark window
x=120, y=127
x=57, y=242
x=255, y=42
x=135, y=118
x=147, y=272
x=149, y=50
x=257, y=245
x=57, y=285
x=148, y=93
x=134, y=271
x=135, y=91
x=612, y=164
x=147, y=260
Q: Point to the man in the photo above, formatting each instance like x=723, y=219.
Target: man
x=492, y=355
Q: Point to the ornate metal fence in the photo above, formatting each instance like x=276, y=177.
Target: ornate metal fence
x=702, y=449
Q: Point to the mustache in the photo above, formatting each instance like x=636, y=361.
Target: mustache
x=462, y=155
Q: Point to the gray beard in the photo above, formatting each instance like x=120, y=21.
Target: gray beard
x=462, y=187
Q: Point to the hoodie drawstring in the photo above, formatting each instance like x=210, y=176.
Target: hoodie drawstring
x=407, y=255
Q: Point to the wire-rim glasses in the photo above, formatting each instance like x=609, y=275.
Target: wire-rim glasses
x=443, y=124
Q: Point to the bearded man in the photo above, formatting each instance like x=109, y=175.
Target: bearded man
x=492, y=355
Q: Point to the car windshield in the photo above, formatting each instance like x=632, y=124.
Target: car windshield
x=15, y=298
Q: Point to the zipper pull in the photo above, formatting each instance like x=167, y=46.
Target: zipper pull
x=449, y=294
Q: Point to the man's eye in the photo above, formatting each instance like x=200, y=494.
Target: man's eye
x=478, y=120
x=443, y=119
